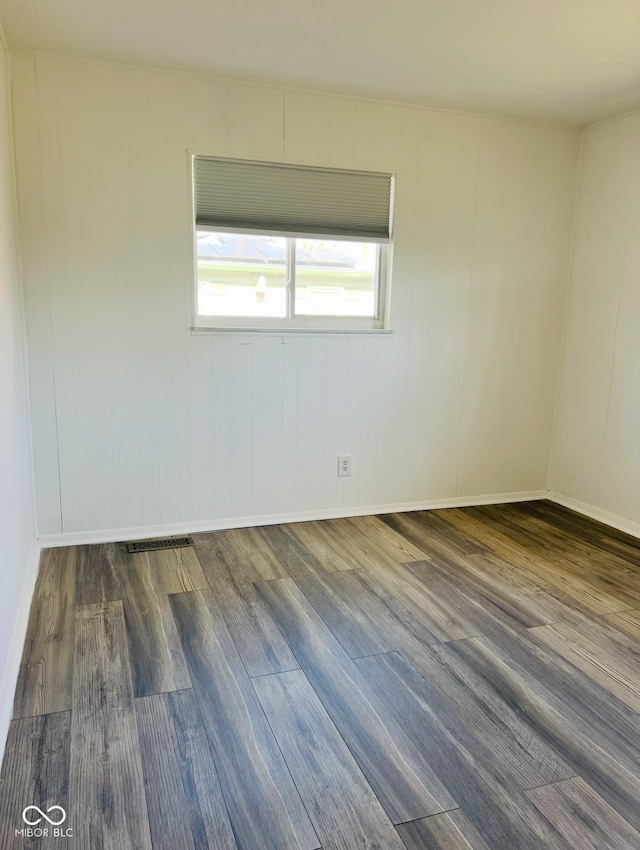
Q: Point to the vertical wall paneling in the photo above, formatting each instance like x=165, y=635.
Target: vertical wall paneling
x=267, y=447
x=353, y=418
x=170, y=216
x=239, y=135
x=19, y=547
x=267, y=123
x=215, y=109
x=50, y=89
x=310, y=421
x=241, y=421
x=620, y=491
x=120, y=307
x=498, y=294
x=419, y=234
x=398, y=139
x=335, y=409
x=202, y=489
x=307, y=127
x=91, y=247
x=221, y=386
x=35, y=268
x=372, y=423
x=449, y=182
x=351, y=132
x=596, y=458
x=146, y=367
x=289, y=421
x=148, y=423
x=515, y=306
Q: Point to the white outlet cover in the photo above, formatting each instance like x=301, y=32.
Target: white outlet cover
x=344, y=466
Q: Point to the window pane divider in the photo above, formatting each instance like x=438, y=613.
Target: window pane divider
x=291, y=278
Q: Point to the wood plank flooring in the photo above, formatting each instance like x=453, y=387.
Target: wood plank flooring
x=464, y=679
x=44, y=681
x=264, y=804
x=105, y=770
x=184, y=798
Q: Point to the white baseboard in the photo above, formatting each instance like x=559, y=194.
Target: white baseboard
x=10, y=673
x=615, y=521
x=113, y=535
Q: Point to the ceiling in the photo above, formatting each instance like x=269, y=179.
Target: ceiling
x=563, y=60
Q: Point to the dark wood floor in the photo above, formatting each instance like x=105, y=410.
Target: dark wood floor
x=460, y=679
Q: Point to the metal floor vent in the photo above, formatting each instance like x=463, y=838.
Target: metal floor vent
x=160, y=543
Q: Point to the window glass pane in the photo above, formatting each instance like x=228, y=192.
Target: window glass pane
x=241, y=275
x=335, y=278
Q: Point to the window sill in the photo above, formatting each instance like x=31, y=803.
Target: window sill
x=299, y=331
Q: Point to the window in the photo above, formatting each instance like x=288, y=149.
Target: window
x=260, y=276
x=288, y=247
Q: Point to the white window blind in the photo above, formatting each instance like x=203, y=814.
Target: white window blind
x=269, y=197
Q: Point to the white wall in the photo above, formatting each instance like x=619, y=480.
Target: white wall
x=18, y=547
x=596, y=458
x=138, y=423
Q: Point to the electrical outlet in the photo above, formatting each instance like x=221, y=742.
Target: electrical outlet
x=344, y=465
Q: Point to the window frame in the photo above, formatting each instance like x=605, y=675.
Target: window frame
x=291, y=322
